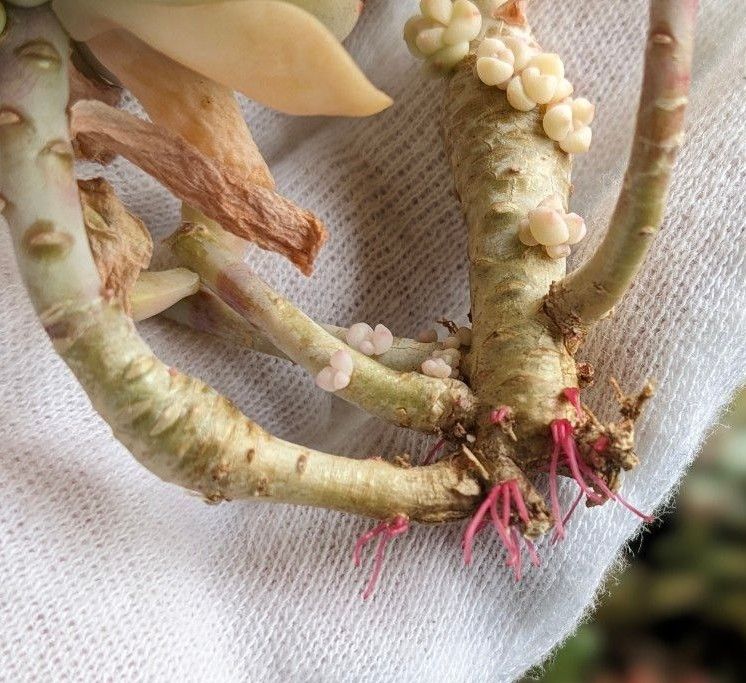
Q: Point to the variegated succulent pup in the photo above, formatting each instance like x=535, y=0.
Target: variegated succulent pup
x=504, y=396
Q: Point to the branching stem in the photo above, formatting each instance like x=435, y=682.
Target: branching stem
x=407, y=399
x=179, y=428
x=590, y=292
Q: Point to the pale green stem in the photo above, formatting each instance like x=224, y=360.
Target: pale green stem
x=504, y=166
x=590, y=292
x=407, y=399
x=155, y=291
x=205, y=312
x=175, y=425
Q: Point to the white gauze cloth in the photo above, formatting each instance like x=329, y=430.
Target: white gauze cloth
x=106, y=573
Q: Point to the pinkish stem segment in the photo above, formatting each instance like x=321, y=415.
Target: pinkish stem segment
x=504, y=502
x=385, y=531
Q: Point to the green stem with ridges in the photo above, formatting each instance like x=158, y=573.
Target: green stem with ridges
x=504, y=165
x=175, y=425
x=407, y=399
x=205, y=312
x=590, y=292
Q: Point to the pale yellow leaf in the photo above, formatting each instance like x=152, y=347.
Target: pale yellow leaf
x=271, y=51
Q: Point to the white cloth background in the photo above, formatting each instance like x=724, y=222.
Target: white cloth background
x=108, y=574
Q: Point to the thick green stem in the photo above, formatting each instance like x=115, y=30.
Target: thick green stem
x=175, y=425
x=504, y=166
x=591, y=291
x=407, y=399
x=205, y=312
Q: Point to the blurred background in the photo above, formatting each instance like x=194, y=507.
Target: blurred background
x=676, y=612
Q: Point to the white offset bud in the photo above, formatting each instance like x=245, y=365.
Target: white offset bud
x=465, y=23
x=576, y=228
x=357, y=334
x=522, y=51
x=582, y=112
x=538, y=87
x=382, y=340
x=577, y=142
x=563, y=91
x=493, y=71
x=367, y=347
x=517, y=97
x=342, y=360
x=436, y=367
x=447, y=57
x=341, y=380
x=557, y=122
x=494, y=62
x=430, y=40
x=412, y=28
x=325, y=379
x=558, y=251
x=440, y=10
x=548, y=63
x=524, y=234
x=548, y=226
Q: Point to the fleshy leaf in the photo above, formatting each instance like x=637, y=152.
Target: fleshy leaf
x=269, y=50
x=339, y=16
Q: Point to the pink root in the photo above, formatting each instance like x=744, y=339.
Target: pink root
x=567, y=516
x=572, y=394
x=499, y=415
x=558, y=434
x=384, y=531
x=500, y=503
x=433, y=452
x=601, y=484
x=564, y=445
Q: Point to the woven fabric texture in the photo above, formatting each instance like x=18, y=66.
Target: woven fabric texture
x=106, y=573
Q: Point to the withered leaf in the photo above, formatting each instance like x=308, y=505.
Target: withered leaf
x=120, y=242
x=252, y=212
x=204, y=112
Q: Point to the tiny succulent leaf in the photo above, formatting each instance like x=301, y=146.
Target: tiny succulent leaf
x=271, y=51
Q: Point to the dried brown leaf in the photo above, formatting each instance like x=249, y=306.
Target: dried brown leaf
x=120, y=242
x=204, y=112
x=252, y=212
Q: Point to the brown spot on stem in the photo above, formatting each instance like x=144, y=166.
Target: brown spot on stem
x=59, y=148
x=586, y=373
x=660, y=38
x=648, y=230
x=301, y=463
x=43, y=240
x=402, y=417
x=221, y=471
x=262, y=488
x=250, y=455
x=9, y=117
x=41, y=52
